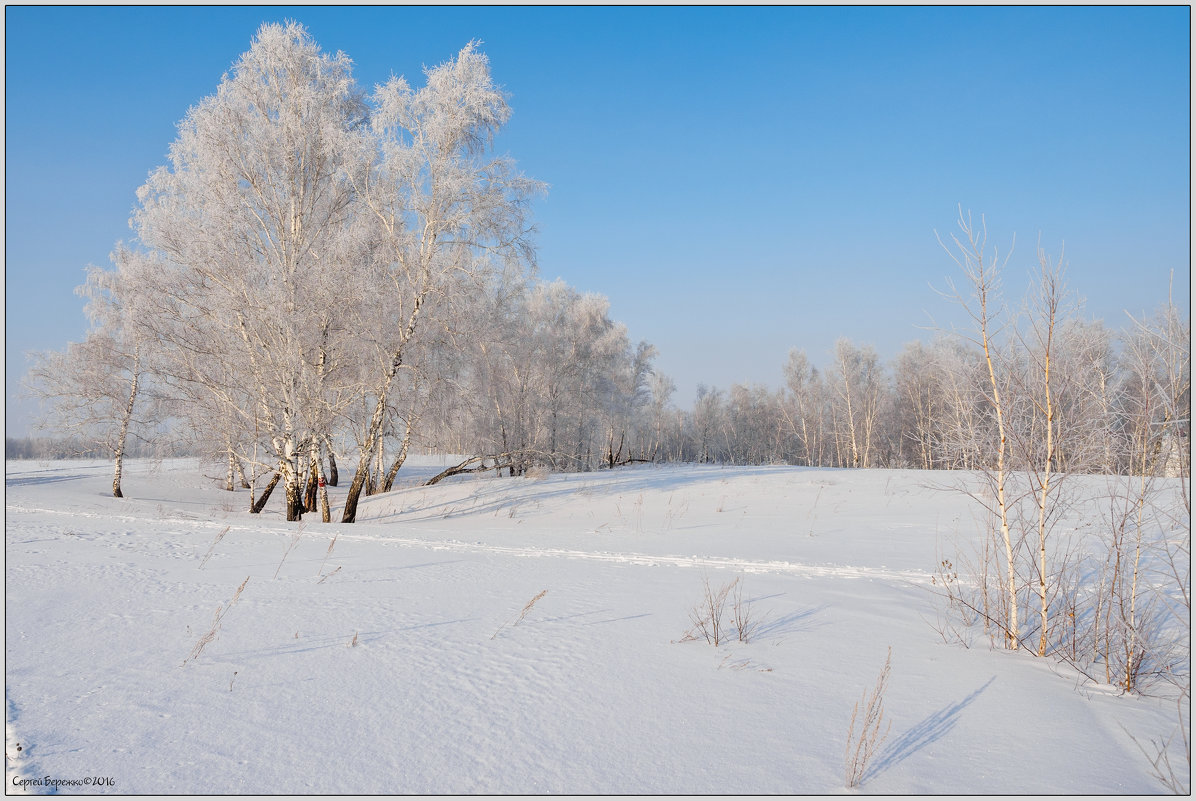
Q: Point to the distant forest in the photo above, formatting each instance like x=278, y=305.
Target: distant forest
x=76, y=448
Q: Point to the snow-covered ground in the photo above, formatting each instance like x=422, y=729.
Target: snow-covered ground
x=389, y=660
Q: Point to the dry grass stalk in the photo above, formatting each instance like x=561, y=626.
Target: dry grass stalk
x=330, y=575
x=519, y=619
x=810, y=516
x=742, y=664
x=328, y=553
x=290, y=547
x=1176, y=781
x=353, y=642
x=215, y=542
x=1160, y=764
x=863, y=745
x=207, y=638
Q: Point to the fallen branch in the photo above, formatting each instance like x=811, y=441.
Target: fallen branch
x=464, y=467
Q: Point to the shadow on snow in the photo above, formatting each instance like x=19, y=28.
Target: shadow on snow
x=930, y=730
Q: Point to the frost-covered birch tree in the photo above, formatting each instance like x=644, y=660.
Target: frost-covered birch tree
x=97, y=389
x=858, y=383
x=253, y=219
x=553, y=381
x=803, y=407
x=445, y=212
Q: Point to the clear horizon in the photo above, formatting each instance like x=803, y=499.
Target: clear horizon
x=738, y=181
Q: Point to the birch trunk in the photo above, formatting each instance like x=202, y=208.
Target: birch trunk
x=309, y=495
x=402, y=457
x=1050, y=299
x=1011, y=629
x=125, y=419
x=333, y=475
x=317, y=469
x=1042, y=509
x=290, y=475
x=294, y=499
x=261, y=502
x=367, y=450
x=228, y=473
x=240, y=472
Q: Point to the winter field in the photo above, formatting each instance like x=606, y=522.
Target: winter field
x=393, y=660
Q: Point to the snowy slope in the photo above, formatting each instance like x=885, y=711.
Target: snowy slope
x=391, y=664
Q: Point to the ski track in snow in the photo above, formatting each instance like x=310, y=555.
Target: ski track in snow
x=639, y=559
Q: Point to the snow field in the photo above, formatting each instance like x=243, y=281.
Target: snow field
x=592, y=692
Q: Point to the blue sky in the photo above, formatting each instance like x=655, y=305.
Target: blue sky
x=738, y=181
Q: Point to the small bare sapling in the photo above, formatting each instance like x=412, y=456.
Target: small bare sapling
x=746, y=622
x=709, y=614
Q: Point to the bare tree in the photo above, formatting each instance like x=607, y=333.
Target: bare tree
x=1040, y=447
x=95, y=388
x=983, y=307
x=858, y=387
x=1148, y=525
